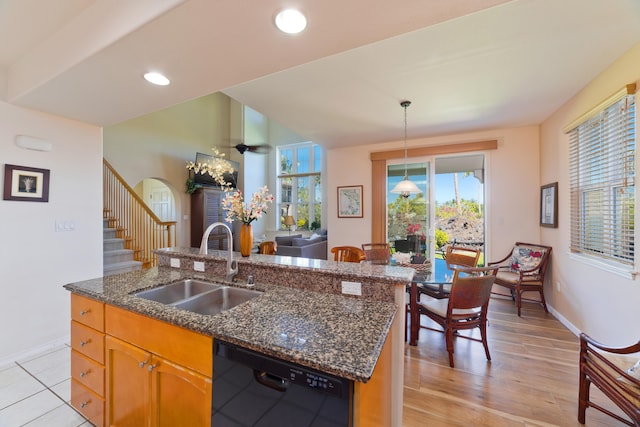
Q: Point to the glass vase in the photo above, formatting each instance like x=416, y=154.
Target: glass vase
x=246, y=239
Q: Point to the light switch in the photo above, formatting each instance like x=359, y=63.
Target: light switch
x=65, y=225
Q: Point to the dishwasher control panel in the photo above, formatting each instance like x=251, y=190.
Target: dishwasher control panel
x=314, y=380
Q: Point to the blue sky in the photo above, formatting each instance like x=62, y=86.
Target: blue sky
x=468, y=187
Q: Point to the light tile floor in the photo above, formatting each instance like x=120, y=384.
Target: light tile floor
x=36, y=392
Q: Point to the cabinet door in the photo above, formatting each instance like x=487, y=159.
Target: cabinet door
x=128, y=385
x=206, y=208
x=181, y=396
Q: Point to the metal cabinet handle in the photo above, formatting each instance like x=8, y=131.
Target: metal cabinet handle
x=152, y=367
x=83, y=404
x=83, y=343
x=84, y=374
x=83, y=312
x=141, y=364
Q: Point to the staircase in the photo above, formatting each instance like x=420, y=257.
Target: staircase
x=132, y=231
x=116, y=257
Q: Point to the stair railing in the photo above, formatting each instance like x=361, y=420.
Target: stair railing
x=134, y=220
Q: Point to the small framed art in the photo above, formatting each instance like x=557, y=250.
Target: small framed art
x=549, y=205
x=350, y=201
x=26, y=184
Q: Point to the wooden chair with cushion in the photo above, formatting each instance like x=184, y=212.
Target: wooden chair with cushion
x=466, y=307
x=465, y=257
x=523, y=270
x=267, y=248
x=348, y=254
x=377, y=253
x=621, y=385
x=455, y=256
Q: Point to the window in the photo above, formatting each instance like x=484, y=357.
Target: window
x=300, y=185
x=602, y=183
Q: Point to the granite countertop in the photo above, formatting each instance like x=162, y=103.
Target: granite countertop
x=332, y=333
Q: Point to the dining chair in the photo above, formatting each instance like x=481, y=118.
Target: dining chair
x=348, y=254
x=267, y=248
x=620, y=385
x=522, y=270
x=377, y=253
x=460, y=256
x=454, y=256
x=466, y=307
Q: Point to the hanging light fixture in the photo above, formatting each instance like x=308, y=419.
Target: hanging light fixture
x=405, y=187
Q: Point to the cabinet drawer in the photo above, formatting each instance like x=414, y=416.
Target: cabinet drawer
x=88, y=403
x=187, y=348
x=87, y=372
x=87, y=311
x=87, y=341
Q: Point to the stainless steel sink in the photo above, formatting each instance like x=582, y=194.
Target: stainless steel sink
x=199, y=296
x=178, y=291
x=218, y=300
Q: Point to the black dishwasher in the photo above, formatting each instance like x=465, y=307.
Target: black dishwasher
x=251, y=389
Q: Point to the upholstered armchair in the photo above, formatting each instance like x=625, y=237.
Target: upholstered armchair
x=523, y=270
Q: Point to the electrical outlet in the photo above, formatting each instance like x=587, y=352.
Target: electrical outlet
x=198, y=266
x=175, y=262
x=351, y=288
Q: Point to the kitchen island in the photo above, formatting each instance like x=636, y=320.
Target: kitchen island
x=302, y=317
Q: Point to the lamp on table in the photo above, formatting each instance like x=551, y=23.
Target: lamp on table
x=289, y=221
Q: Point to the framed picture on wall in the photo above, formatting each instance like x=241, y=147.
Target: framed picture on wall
x=549, y=205
x=350, y=201
x=26, y=184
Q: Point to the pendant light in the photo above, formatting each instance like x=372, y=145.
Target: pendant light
x=405, y=187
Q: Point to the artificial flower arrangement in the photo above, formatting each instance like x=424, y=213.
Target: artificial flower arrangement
x=237, y=210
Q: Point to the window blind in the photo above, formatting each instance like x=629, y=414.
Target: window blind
x=602, y=183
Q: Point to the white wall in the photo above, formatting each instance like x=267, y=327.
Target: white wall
x=511, y=182
x=601, y=304
x=255, y=170
x=35, y=260
x=262, y=169
x=159, y=145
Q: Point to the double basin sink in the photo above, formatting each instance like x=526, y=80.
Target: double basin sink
x=198, y=296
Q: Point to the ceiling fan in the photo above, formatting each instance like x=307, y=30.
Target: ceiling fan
x=258, y=148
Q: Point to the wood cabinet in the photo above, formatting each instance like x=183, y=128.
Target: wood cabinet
x=87, y=358
x=157, y=373
x=206, y=208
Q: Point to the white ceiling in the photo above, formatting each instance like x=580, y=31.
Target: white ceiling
x=465, y=64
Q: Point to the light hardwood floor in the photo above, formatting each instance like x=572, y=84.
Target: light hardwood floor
x=532, y=379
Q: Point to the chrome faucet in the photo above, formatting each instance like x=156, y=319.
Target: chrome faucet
x=232, y=266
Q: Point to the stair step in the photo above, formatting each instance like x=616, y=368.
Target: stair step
x=109, y=233
x=121, y=267
x=112, y=244
x=116, y=256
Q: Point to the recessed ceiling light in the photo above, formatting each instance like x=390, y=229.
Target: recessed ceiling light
x=156, y=79
x=291, y=21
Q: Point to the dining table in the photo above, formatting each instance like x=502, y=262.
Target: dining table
x=434, y=282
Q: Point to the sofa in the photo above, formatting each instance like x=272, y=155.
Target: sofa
x=297, y=246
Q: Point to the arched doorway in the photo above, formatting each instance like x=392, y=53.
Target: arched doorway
x=158, y=197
